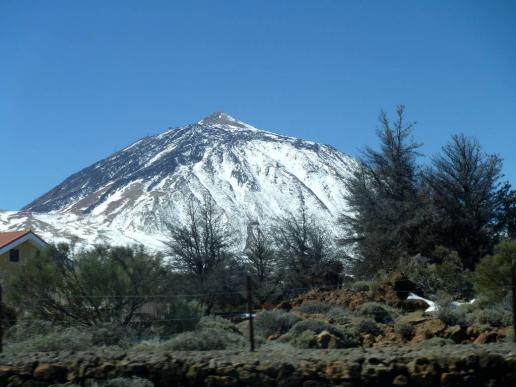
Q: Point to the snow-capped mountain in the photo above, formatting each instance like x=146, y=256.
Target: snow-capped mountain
x=251, y=174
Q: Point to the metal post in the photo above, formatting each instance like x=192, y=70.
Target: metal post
x=1, y=321
x=514, y=302
x=250, y=313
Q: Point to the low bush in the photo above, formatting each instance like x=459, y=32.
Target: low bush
x=436, y=342
x=123, y=382
x=182, y=316
x=112, y=334
x=315, y=307
x=338, y=313
x=450, y=314
x=269, y=322
x=44, y=336
x=378, y=312
x=442, y=271
x=405, y=330
x=26, y=329
x=497, y=266
x=298, y=335
x=361, y=286
x=206, y=339
x=65, y=339
x=367, y=326
x=316, y=326
x=217, y=322
x=303, y=340
x=495, y=317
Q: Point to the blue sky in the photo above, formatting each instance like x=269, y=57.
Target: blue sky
x=82, y=79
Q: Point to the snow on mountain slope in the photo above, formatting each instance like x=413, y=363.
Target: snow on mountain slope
x=251, y=174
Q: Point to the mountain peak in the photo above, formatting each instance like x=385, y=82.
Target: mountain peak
x=221, y=118
x=132, y=195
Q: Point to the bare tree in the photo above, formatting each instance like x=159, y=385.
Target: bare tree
x=306, y=254
x=260, y=255
x=202, y=248
x=261, y=262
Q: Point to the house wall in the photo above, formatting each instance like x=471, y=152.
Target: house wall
x=26, y=249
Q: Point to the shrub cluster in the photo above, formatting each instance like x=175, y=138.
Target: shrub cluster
x=315, y=307
x=367, y=326
x=123, y=382
x=361, y=286
x=303, y=333
x=270, y=322
x=405, y=330
x=378, y=312
x=213, y=333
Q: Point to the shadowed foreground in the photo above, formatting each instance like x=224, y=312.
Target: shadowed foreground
x=482, y=365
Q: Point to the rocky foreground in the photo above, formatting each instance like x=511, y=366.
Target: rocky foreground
x=453, y=365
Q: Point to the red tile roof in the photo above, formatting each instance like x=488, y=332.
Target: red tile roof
x=8, y=237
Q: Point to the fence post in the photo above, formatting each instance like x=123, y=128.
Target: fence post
x=513, y=271
x=250, y=313
x=1, y=320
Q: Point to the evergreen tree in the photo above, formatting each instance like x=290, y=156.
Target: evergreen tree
x=506, y=212
x=387, y=210
x=463, y=183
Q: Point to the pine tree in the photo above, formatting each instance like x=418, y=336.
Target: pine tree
x=463, y=183
x=387, y=211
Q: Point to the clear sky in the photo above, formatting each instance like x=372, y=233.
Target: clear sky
x=82, y=79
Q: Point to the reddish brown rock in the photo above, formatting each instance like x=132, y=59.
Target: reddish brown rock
x=50, y=372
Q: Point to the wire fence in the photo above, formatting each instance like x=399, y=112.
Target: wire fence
x=139, y=310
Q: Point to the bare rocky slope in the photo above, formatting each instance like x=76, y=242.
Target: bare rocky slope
x=252, y=175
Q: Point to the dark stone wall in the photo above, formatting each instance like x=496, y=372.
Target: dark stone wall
x=458, y=365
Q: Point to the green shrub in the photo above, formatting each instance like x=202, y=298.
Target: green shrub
x=436, y=342
x=338, y=313
x=442, y=271
x=206, y=339
x=303, y=340
x=315, y=307
x=450, y=315
x=367, y=326
x=361, y=286
x=276, y=346
x=111, y=335
x=9, y=315
x=213, y=333
x=316, y=326
x=348, y=337
x=45, y=336
x=405, y=330
x=495, y=317
x=378, y=312
x=182, y=316
x=510, y=337
x=66, y=339
x=492, y=275
x=269, y=322
x=217, y=322
x=123, y=382
x=27, y=329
